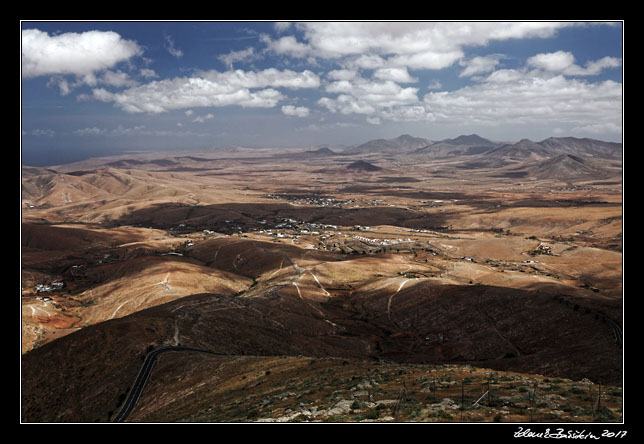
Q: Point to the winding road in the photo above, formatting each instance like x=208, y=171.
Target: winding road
x=144, y=374
x=616, y=331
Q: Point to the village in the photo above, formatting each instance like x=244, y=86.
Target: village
x=327, y=202
x=345, y=240
x=326, y=237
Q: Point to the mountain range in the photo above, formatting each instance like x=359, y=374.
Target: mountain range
x=475, y=144
x=557, y=158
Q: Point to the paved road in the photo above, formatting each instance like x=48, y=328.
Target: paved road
x=617, y=331
x=144, y=373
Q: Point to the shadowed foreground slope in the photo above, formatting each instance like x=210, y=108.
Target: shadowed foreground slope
x=86, y=375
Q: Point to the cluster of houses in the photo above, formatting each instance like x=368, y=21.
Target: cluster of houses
x=326, y=234
x=381, y=242
x=288, y=228
x=573, y=188
x=433, y=203
x=543, y=249
x=324, y=201
x=49, y=288
x=313, y=199
x=296, y=228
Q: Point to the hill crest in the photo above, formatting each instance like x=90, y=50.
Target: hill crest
x=472, y=139
x=401, y=143
x=362, y=165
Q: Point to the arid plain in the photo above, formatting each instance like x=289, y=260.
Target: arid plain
x=398, y=280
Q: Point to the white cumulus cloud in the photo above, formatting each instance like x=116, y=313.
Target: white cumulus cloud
x=564, y=62
x=259, y=79
x=287, y=45
x=416, y=45
x=296, y=111
x=554, y=61
x=360, y=95
x=365, y=96
x=72, y=53
x=180, y=93
x=210, y=89
x=148, y=73
x=398, y=75
x=238, y=56
x=169, y=45
x=202, y=119
x=117, y=79
x=478, y=65
x=523, y=97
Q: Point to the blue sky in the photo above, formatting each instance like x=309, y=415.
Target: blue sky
x=100, y=88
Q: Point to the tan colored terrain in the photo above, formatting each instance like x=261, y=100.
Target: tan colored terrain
x=282, y=261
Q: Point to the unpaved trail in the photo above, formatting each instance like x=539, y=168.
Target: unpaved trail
x=402, y=284
x=35, y=309
x=238, y=257
x=297, y=287
x=320, y=285
x=278, y=270
x=117, y=309
x=175, y=338
x=164, y=283
x=493, y=322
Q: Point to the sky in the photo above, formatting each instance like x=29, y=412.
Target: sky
x=101, y=88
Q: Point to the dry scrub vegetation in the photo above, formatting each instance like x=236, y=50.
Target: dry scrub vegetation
x=402, y=293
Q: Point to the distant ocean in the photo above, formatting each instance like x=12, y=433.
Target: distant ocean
x=43, y=157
